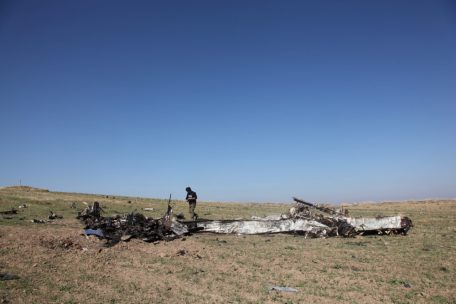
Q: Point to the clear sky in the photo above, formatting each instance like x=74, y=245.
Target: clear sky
x=331, y=101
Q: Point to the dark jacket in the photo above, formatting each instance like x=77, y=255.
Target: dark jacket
x=191, y=197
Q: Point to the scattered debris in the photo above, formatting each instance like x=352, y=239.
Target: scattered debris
x=181, y=252
x=12, y=211
x=97, y=232
x=22, y=206
x=148, y=209
x=53, y=216
x=6, y=276
x=36, y=221
x=282, y=288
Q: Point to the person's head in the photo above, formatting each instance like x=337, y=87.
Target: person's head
x=188, y=189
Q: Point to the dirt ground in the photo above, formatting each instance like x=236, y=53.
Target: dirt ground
x=57, y=264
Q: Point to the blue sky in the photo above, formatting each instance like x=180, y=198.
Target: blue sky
x=331, y=101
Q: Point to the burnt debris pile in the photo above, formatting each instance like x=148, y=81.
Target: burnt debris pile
x=132, y=225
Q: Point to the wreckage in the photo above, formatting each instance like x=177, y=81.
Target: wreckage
x=310, y=220
x=304, y=218
x=132, y=225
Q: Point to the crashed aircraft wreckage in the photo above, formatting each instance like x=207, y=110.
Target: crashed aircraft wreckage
x=304, y=218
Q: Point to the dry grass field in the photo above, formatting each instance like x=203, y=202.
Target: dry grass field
x=57, y=264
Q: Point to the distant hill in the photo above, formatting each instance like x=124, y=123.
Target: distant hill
x=25, y=188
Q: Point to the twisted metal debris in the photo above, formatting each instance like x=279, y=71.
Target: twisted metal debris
x=304, y=218
x=311, y=220
x=351, y=226
x=132, y=225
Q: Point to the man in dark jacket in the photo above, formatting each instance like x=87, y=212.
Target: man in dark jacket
x=191, y=199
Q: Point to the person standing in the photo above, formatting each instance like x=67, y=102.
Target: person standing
x=191, y=199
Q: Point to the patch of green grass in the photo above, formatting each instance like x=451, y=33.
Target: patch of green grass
x=439, y=299
x=340, y=266
x=65, y=288
x=398, y=282
x=429, y=275
x=409, y=295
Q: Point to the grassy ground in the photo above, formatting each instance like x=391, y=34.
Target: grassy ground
x=56, y=264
